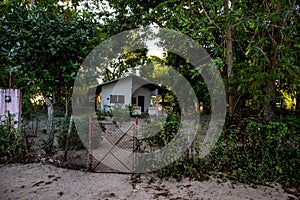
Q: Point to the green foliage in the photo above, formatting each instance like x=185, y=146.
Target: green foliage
x=47, y=146
x=58, y=113
x=102, y=115
x=120, y=114
x=11, y=143
x=186, y=167
x=44, y=45
x=265, y=43
x=254, y=154
x=251, y=153
x=75, y=142
x=158, y=134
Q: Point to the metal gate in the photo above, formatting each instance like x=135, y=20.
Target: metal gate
x=111, y=146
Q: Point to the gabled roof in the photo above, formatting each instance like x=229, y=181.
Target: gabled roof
x=138, y=81
x=134, y=78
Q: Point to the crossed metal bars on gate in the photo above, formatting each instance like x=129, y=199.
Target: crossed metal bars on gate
x=115, y=148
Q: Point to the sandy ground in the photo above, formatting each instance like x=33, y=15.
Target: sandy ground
x=44, y=181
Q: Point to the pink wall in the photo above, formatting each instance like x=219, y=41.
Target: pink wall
x=14, y=107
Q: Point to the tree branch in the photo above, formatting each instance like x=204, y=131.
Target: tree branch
x=207, y=16
x=265, y=55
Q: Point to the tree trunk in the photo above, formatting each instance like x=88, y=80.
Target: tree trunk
x=229, y=48
x=297, y=109
x=66, y=107
x=269, y=110
x=67, y=139
x=50, y=123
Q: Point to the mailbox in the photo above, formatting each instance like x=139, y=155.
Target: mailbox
x=7, y=99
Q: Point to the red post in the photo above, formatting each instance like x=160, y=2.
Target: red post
x=10, y=77
x=134, y=141
x=10, y=80
x=136, y=120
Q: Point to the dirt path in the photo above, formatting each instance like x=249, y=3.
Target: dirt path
x=42, y=181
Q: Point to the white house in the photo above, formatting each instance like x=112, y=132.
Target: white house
x=130, y=90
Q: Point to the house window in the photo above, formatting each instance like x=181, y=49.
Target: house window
x=117, y=99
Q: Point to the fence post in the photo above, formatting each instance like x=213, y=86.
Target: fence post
x=134, y=141
x=67, y=138
x=136, y=121
x=90, y=153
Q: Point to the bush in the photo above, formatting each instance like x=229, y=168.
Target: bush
x=251, y=152
x=158, y=134
x=263, y=153
x=254, y=154
x=121, y=114
x=75, y=142
x=12, y=145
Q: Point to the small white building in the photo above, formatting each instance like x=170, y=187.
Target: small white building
x=130, y=90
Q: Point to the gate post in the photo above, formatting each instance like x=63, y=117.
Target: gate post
x=90, y=150
x=134, y=141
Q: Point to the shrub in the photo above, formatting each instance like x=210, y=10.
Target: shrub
x=11, y=143
x=75, y=142
x=252, y=152
x=259, y=153
x=120, y=114
x=158, y=134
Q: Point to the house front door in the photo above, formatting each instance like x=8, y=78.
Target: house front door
x=141, y=102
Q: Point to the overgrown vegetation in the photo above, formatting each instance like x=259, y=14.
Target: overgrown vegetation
x=254, y=44
x=159, y=133
x=74, y=142
x=251, y=152
x=11, y=142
